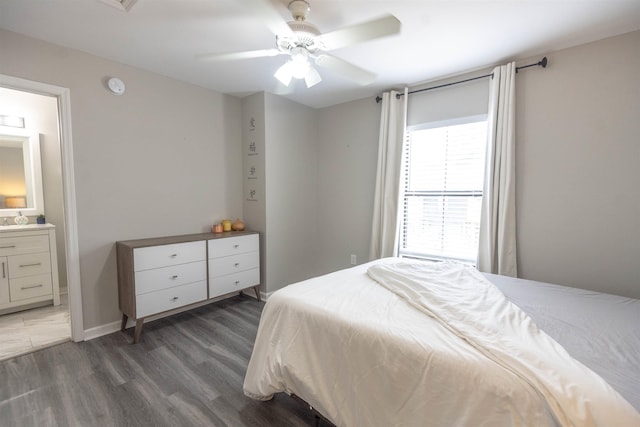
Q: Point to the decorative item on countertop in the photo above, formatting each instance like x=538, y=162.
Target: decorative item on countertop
x=238, y=225
x=21, y=219
x=226, y=225
x=217, y=228
x=41, y=219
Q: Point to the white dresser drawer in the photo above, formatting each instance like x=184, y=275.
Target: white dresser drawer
x=165, y=255
x=233, y=282
x=168, y=299
x=30, y=287
x=29, y=265
x=168, y=277
x=233, y=264
x=23, y=245
x=233, y=245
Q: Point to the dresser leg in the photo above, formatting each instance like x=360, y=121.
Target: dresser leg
x=124, y=322
x=138, y=331
x=257, y=290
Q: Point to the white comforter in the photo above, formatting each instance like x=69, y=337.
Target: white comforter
x=362, y=356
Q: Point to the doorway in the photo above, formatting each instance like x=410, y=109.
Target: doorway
x=69, y=269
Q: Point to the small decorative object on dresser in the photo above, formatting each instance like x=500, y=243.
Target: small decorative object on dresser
x=238, y=225
x=160, y=275
x=41, y=219
x=21, y=219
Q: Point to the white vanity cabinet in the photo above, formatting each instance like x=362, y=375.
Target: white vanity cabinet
x=28, y=267
x=160, y=275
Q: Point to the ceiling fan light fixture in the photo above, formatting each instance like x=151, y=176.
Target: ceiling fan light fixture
x=284, y=74
x=312, y=78
x=299, y=62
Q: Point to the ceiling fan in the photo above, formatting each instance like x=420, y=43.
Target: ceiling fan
x=302, y=41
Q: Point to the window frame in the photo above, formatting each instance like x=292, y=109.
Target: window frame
x=476, y=118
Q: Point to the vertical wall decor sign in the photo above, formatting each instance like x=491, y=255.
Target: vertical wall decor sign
x=252, y=152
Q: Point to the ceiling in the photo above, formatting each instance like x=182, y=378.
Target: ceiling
x=437, y=39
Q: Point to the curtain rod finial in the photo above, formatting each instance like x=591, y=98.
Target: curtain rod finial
x=543, y=62
x=378, y=99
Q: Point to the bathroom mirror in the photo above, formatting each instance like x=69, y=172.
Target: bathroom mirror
x=20, y=173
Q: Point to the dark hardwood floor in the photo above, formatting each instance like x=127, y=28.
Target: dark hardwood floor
x=187, y=370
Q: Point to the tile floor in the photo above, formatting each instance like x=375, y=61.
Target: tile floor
x=29, y=330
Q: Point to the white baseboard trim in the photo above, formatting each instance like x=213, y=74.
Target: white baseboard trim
x=99, y=331
x=109, y=328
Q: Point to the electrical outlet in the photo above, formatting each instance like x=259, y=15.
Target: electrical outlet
x=354, y=259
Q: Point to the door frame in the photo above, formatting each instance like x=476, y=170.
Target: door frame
x=74, y=286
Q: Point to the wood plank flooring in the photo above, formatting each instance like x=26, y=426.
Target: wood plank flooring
x=187, y=370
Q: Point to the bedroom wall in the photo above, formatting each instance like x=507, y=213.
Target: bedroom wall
x=577, y=168
x=284, y=207
x=578, y=157
x=347, y=158
x=292, y=202
x=162, y=159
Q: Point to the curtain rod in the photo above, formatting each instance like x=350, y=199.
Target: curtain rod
x=542, y=63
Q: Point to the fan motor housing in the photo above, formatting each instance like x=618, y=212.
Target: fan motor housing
x=304, y=35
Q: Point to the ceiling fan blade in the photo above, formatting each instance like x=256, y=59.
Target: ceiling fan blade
x=346, y=69
x=381, y=27
x=269, y=14
x=232, y=56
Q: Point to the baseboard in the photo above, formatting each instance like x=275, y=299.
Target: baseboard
x=99, y=331
x=109, y=328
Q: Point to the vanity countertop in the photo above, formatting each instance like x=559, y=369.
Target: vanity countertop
x=5, y=228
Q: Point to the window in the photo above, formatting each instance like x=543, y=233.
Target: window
x=443, y=179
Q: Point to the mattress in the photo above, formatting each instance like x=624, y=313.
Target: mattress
x=360, y=355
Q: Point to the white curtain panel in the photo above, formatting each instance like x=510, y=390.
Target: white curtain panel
x=497, y=247
x=384, y=229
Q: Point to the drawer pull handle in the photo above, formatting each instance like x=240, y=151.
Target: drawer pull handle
x=175, y=276
x=8, y=247
x=236, y=264
x=31, y=265
x=4, y=274
x=236, y=246
x=174, y=299
x=24, y=288
x=237, y=282
x=173, y=255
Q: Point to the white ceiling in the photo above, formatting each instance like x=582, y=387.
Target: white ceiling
x=438, y=38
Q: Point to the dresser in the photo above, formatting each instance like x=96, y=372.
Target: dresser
x=159, y=275
x=28, y=267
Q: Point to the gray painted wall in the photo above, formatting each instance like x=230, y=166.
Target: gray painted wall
x=285, y=205
x=578, y=163
x=578, y=151
x=162, y=159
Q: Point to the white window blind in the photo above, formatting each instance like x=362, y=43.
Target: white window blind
x=443, y=179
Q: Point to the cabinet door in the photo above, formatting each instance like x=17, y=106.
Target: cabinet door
x=4, y=280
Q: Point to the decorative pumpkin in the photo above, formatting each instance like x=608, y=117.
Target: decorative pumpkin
x=238, y=225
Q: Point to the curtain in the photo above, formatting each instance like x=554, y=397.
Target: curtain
x=384, y=229
x=497, y=246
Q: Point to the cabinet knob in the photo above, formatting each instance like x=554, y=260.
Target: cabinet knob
x=173, y=255
x=174, y=299
x=236, y=246
x=175, y=276
x=236, y=264
x=237, y=282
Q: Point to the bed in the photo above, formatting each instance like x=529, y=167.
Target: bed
x=398, y=342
